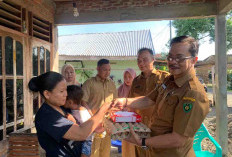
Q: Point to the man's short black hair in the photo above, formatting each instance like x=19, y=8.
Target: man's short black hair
x=75, y=93
x=145, y=49
x=103, y=61
x=194, y=46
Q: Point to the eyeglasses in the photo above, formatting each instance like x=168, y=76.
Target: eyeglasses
x=178, y=59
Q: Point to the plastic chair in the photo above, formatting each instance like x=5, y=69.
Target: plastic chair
x=201, y=134
x=117, y=143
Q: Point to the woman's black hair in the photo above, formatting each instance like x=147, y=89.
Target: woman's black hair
x=46, y=81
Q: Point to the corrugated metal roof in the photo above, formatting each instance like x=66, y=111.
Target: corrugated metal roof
x=105, y=44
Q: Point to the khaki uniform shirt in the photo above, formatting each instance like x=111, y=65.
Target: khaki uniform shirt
x=180, y=106
x=97, y=92
x=142, y=86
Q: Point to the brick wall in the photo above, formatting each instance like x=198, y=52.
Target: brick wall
x=102, y=5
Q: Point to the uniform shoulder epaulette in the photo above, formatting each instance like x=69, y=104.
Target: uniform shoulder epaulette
x=192, y=84
x=88, y=80
x=91, y=78
x=137, y=77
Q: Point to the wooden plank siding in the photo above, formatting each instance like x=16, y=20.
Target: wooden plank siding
x=4, y=88
x=15, y=86
x=21, y=10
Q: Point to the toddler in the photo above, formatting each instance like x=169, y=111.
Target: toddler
x=81, y=113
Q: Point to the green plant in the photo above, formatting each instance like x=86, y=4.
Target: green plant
x=164, y=68
x=83, y=74
x=229, y=79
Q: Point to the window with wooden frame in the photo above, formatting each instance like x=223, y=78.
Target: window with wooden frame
x=40, y=28
x=11, y=85
x=12, y=16
x=41, y=64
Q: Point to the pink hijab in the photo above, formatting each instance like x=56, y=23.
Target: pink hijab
x=124, y=90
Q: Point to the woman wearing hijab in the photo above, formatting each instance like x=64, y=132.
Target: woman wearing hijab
x=128, y=76
x=69, y=74
x=123, y=92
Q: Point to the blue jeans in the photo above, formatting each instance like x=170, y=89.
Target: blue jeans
x=86, y=148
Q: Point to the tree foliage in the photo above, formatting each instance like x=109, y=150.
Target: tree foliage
x=201, y=28
x=83, y=75
x=229, y=79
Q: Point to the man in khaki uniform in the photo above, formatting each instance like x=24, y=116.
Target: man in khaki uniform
x=180, y=104
x=98, y=90
x=141, y=86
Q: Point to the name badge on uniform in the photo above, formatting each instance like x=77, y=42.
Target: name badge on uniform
x=164, y=86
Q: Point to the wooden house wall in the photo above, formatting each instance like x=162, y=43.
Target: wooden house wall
x=44, y=9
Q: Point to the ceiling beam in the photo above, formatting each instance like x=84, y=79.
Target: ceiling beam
x=225, y=6
x=62, y=0
x=136, y=14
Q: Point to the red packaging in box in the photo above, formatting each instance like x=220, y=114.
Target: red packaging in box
x=124, y=116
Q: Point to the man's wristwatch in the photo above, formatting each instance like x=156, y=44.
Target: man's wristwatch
x=144, y=144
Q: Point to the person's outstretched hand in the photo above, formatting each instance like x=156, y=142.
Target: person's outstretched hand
x=119, y=103
x=99, y=129
x=106, y=107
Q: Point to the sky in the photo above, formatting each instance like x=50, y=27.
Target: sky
x=160, y=31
